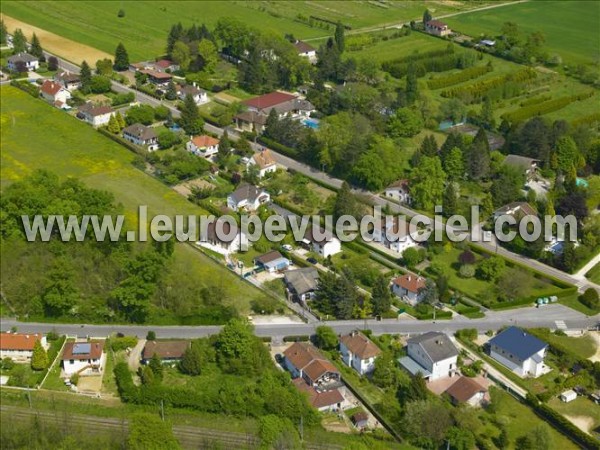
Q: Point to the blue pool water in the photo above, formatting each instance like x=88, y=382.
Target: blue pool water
x=581, y=182
x=311, y=123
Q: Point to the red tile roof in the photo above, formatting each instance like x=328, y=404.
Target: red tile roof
x=436, y=24
x=204, y=141
x=360, y=345
x=51, y=88
x=157, y=75
x=18, y=341
x=319, y=399
x=307, y=358
x=464, y=389
x=303, y=47
x=264, y=158
x=96, y=349
x=410, y=282
x=165, y=349
x=269, y=100
x=163, y=63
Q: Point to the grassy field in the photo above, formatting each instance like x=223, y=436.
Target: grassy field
x=36, y=136
x=594, y=274
x=581, y=410
x=570, y=28
x=146, y=23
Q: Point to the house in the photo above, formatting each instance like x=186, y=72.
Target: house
x=360, y=420
x=158, y=78
x=323, y=400
x=408, y=287
x=519, y=351
x=200, y=96
x=526, y=165
x=55, y=93
x=96, y=116
x=141, y=135
x=19, y=346
x=518, y=210
x=163, y=65
x=307, y=51
x=487, y=42
x=264, y=161
x=205, y=146
x=399, y=191
x=568, y=396
x=251, y=121
x=437, y=28
x=167, y=351
x=272, y=261
x=70, y=81
x=247, y=198
x=432, y=354
x=394, y=234
x=304, y=361
x=230, y=241
x=359, y=352
x=30, y=62
x=83, y=358
x=324, y=243
x=468, y=391
x=301, y=284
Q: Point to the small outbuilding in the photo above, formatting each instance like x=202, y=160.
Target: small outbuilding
x=568, y=396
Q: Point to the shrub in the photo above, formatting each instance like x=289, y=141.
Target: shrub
x=467, y=257
x=265, y=305
x=549, y=106
x=464, y=75
x=151, y=336
x=466, y=271
x=469, y=334
x=590, y=299
x=123, y=343
x=74, y=379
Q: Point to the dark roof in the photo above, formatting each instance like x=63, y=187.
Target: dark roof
x=268, y=257
x=518, y=342
x=309, y=235
x=82, y=350
x=360, y=416
x=93, y=110
x=67, y=77
x=438, y=346
x=190, y=89
x=302, y=280
x=303, y=47
x=140, y=131
x=522, y=162
x=247, y=192
x=464, y=389
x=252, y=117
x=520, y=209
x=25, y=57
x=269, y=100
x=157, y=75
x=212, y=236
x=165, y=349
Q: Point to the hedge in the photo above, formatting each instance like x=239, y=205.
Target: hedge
x=118, y=139
x=210, y=119
x=585, y=120
x=464, y=75
x=435, y=64
x=123, y=343
x=539, y=109
x=535, y=100
x=562, y=423
x=530, y=300
x=280, y=148
x=123, y=99
x=480, y=88
x=25, y=86
x=297, y=338
x=292, y=208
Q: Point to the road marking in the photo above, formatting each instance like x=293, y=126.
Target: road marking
x=560, y=324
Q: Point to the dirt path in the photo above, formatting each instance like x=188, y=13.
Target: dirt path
x=596, y=336
x=63, y=47
x=584, y=423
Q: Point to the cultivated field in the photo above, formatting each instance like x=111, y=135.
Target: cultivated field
x=570, y=27
x=37, y=136
x=146, y=23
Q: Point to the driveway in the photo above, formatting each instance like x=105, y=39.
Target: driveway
x=135, y=355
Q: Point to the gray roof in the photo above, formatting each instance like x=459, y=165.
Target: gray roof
x=413, y=366
x=247, y=192
x=25, y=57
x=522, y=162
x=302, y=281
x=190, y=89
x=436, y=345
x=518, y=342
x=140, y=131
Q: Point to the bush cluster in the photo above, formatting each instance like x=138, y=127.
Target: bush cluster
x=546, y=107
x=455, y=78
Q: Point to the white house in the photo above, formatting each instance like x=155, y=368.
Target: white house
x=205, y=146
x=247, y=198
x=394, y=234
x=437, y=28
x=568, y=396
x=55, y=93
x=408, y=287
x=96, y=116
x=323, y=242
x=432, y=354
x=519, y=351
x=199, y=95
x=272, y=261
x=306, y=51
x=70, y=81
x=399, y=191
x=19, y=346
x=83, y=358
x=141, y=135
x=359, y=352
x=472, y=391
x=31, y=62
x=264, y=161
x=221, y=238
x=304, y=361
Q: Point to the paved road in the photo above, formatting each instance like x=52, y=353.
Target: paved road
x=305, y=169
x=525, y=317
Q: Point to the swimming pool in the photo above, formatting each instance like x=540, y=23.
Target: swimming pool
x=311, y=123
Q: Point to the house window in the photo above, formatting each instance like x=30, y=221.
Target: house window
x=71, y=361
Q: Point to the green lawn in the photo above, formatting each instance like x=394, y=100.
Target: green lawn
x=570, y=27
x=594, y=274
x=572, y=301
x=581, y=346
x=580, y=407
x=36, y=136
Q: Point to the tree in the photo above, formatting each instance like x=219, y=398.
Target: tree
x=339, y=37
x=121, y=13
x=453, y=110
x=224, y=147
x=566, y=153
x=52, y=63
x=151, y=336
x=385, y=373
x=490, y=269
x=381, y=297
x=507, y=185
x=120, y=120
x=429, y=293
x=167, y=139
x=181, y=55
x=460, y=439
x=121, y=58
x=427, y=183
x=85, y=77
x=104, y=67
x=208, y=54
x=100, y=84
x=36, y=48
x=590, y=299
x=237, y=349
x=404, y=123
x=479, y=156
x=346, y=203
x=174, y=35
x=19, y=41
x=454, y=165
x=416, y=389
x=113, y=125
x=426, y=16
x=487, y=114
x=450, y=199
x=326, y=338
x=412, y=84
x=147, y=431
x=277, y=432
x=428, y=421
x=171, y=93
x=39, y=358
x=156, y=366
x=411, y=257
x=3, y=32
x=190, y=119
x=143, y=114
x=429, y=146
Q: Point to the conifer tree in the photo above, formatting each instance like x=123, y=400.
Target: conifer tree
x=36, y=47
x=121, y=58
x=39, y=359
x=85, y=77
x=113, y=125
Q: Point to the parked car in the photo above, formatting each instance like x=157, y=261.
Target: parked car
x=287, y=247
x=312, y=260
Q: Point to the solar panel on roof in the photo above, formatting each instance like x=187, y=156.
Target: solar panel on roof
x=82, y=349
